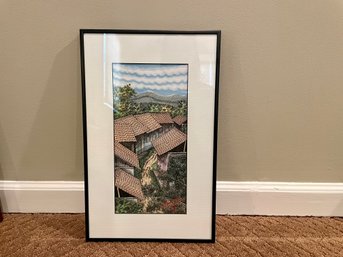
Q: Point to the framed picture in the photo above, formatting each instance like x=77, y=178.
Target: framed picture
x=150, y=126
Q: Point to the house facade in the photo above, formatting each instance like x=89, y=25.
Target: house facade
x=138, y=131
x=173, y=141
x=181, y=122
x=152, y=128
x=125, y=159
x=136, y=134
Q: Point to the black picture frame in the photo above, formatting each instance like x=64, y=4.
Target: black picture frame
x=86, y=145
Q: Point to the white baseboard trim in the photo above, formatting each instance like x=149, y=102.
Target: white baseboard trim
x=280, y=198
x=234, y=198
x=42, y=196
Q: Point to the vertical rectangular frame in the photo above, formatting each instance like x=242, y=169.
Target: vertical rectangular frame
x=83, y=32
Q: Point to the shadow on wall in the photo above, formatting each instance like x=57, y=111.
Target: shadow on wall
x=54, y=148
x=234, y=138
x=6, y=160
x=6, y=163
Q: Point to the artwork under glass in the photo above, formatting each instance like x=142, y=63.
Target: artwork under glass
x=150, y=104
x=150, y=138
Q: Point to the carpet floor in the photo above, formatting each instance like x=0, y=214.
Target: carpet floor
x=45, y=235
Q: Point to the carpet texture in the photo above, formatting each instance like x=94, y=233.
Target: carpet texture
x=47, y=235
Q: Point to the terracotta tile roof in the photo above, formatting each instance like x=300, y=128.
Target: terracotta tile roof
x=126, y=154
x=123, y=132
x=148, y=121
x=169, y=141
x=163, y=117
x=180, y=119
x=137, y=127
x=128, y=183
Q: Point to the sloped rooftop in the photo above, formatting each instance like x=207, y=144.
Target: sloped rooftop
x=126, y=154
x=180, y=119
x=123, y=132
x=128, y=183
x=169, y=141
x=137, y=127
x=163, y=117
x=148, y=121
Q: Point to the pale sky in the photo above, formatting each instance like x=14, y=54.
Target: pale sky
x=163, y=79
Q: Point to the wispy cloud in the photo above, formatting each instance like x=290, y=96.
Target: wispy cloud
x=151, y=76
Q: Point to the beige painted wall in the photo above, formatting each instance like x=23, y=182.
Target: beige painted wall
x=281, y=97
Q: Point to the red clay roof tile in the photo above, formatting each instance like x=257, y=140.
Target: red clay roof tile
x=126, y=154
x=169, y=141
x=148, y=121
x=180, y=119
x=128, y=183
x=163, y=117
x=137, y=127
x=123, y=132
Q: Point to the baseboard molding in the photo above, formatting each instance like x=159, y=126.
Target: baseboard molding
x=234, y=198
x=280, y=198
x=42, y=196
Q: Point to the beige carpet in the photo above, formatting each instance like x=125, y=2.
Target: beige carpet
x=63, y=235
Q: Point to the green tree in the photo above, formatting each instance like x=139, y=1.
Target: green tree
x=166, y=108
x=177, y=174
x=180, y=109
x=123, y=104
x=177, y=171
x=154, y=108
x=127, y=206
x=137, y=108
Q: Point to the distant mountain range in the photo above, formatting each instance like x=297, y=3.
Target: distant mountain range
x=150, y=97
